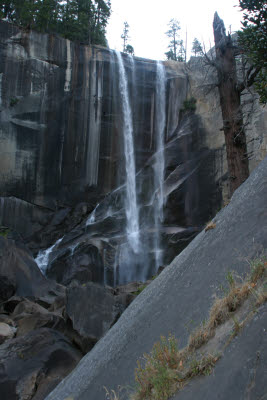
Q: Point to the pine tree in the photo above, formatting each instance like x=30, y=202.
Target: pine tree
x=173, y=34
x=82, y=20
x=253, y=40
x=125, y=35
x=177, y=50
x=197, y=48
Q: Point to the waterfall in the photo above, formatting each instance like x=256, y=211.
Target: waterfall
x=91, y=218
x=132, y=218
x=133, y=254
x=159, y=165
x=42, y=258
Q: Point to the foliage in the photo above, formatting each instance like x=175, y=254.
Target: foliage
x=258, y=268
x=177, y=50
x=197, y=48
x=190, y=105
x=111, y=395
x=140, y=289
x=125, y=35
x=234, y=297
x=81, y=20
x=4, y=231
x=13, y=101
x=129, y=49
x=166, y=369
x=156, y=378
x=253, y=40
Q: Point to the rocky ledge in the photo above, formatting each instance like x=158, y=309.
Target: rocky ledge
x=45, y=327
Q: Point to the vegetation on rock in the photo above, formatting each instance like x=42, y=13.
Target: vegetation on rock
x=190, y=104
x=167, y=369
x=176, y=47
x=81, y=20
x=253, y=41
x=197, y=48
x=230, y=91
x=127, y=48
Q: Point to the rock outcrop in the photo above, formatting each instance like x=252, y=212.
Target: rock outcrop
x=20, y=275
x=35, y=363
x=62, y=184
x=181, y=297
x=62, y=134
x=61, y=131
x=92, y=311
x=45, y=328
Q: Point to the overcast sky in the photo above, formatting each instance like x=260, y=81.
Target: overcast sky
x=148, y=21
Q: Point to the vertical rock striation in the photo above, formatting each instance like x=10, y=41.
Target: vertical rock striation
x=62, y=148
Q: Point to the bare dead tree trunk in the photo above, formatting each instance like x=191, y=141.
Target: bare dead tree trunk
x=229, y=91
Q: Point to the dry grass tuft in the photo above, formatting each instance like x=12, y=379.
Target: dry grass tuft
x=261, y=296
x=220, y=312
x=210, y=225
x=111, y=395
x=166, y=369
x=258, y=269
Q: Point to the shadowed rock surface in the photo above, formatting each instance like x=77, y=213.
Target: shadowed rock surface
x=45, y=328
x=241, y=373
x=92, y=310
x=35, y=363
x=62, y=152
x=19, y=272
x=62, y=175
x=182, y=293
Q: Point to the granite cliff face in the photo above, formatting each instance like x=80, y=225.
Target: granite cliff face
x=62, y=165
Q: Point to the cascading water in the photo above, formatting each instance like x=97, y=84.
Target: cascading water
x=91, y=218
x=132, y=218
x=133, y=254
x=159, y=165
x=42, y=258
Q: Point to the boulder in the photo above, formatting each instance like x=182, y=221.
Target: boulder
x=179, y=300
x=10, y=305
x=7, y=287
x=29, y=316
x=6, y=332
x=61, y=221
x=20, y=274
x=7, y=319
x=30, y=366
x=92, y=310
x=82, y=263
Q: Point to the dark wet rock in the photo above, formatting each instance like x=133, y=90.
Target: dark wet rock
x=64, y=220
x=75, y=144
x=6, y=332
x=23, y=217
x=80, y=262
x=7, y=287
x=29, y=316
x=182, y=293
x=66, y=145
x=10, y=305
x=59, y=216
x=35, y=363
x=7, y=319
x=18, y=268
x=92, y=310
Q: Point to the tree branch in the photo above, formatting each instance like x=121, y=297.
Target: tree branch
x=250, y=77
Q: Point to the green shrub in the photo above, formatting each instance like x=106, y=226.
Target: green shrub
x=13, y=101
x=190, y=104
